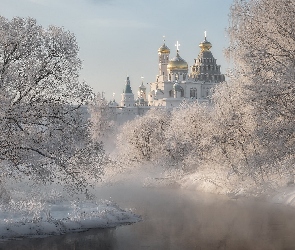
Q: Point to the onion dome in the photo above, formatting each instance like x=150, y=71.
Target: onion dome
x=164, y=49
x=205, y=45
x=177, y=87
x=177, y=64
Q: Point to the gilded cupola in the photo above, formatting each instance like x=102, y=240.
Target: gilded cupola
x=205, y=45
x=177, y=63
x=164, y=49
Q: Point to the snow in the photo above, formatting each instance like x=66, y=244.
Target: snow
x=34, y=219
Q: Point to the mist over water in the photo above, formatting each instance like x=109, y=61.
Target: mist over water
x=181, y=219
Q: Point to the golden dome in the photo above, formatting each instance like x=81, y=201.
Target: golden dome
x=164, y=49
x=205, y=45
x=177, y=64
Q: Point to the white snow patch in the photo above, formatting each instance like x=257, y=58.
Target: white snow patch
x=35, y=219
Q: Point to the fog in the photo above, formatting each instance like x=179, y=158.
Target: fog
x=173, y=218
x=181, y=219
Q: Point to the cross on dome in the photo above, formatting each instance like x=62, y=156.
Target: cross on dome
x=205, y=32
x=164, y=39
x=177, y=46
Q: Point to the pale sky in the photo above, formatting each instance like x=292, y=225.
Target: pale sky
x=121, y=37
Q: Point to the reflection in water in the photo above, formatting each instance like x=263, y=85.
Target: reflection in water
x=173, y=220
x=96, y=240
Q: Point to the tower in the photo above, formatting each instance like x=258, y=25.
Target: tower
x=127, y=96
x=163, y=53
x=142, y=93
x=205, y=68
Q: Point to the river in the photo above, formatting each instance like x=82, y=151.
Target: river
x=180, y=219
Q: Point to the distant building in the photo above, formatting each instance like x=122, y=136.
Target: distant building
x=174, y=83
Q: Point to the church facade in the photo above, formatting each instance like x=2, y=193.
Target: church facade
x=174, y=83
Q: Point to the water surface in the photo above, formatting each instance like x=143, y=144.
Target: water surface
x=177, y=219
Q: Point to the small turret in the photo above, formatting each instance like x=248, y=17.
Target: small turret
x=127, y=96
x=142, y=91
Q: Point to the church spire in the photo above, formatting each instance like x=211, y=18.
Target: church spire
x=127, y=86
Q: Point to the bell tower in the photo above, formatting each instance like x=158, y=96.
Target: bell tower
x=163, y=53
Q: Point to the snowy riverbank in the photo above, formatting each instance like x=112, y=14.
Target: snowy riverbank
x=53, y=214
x=275, y=191
x=35, y=219
x=218, y=181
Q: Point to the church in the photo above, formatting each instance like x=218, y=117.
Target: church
x=174, y=83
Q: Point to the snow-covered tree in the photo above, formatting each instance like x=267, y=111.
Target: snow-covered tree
x=43, y=127
x=262, y=46
x=143, y=139
x=102, y=117
x=233, y=131
x=185, y=143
